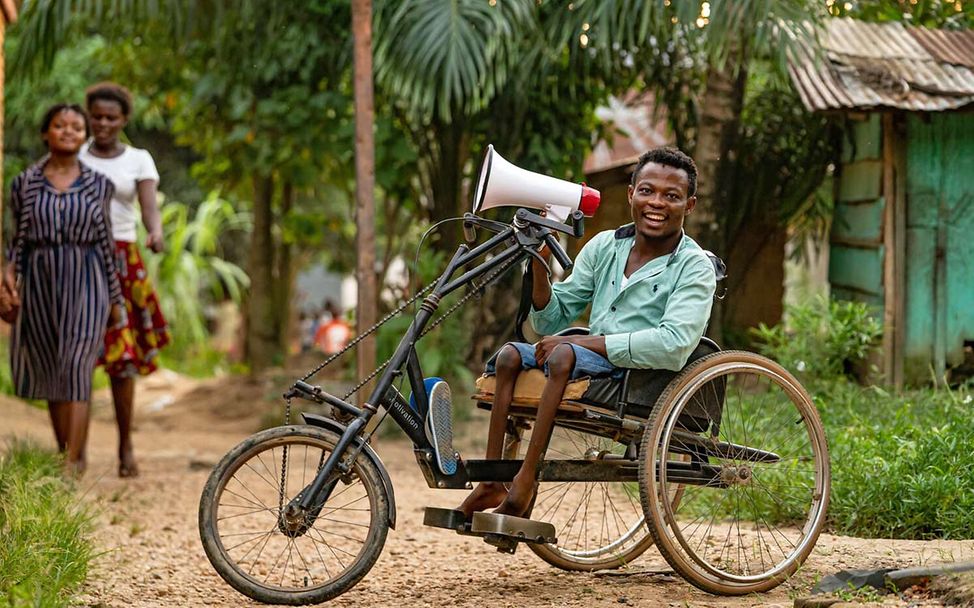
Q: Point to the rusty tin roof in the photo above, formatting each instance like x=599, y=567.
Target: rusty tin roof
x=866, y=66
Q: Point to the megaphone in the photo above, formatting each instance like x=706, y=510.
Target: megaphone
x=503, y=184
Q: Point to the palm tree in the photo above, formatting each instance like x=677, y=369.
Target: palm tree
x=667, y=43
x=438, y=64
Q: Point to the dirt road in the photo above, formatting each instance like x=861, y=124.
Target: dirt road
x=152, y=554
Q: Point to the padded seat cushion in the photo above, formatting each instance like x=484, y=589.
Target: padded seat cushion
x=643, y=388
x=527, y=389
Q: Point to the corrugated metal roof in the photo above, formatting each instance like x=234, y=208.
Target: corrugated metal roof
x=949, y=46
x=637, y=129
x=886, y=65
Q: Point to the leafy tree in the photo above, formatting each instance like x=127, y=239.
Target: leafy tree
x=927, y=13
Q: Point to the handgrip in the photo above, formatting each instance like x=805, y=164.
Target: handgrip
x=558, y=251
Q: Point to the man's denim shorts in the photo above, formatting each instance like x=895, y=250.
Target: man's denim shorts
x=587, y=363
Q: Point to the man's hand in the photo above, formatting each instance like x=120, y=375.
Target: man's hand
x=547, y=344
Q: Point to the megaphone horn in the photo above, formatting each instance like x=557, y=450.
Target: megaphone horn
x=503, y=184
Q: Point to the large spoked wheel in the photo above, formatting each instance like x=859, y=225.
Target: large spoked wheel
x=756, y=487
x=600, y=525
x=269, y=558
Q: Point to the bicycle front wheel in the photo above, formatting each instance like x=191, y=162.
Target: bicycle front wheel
x=251, y=546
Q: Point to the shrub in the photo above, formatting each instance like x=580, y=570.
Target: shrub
x=821, y=338
x=902, y=465
x=46, y=548
x=192, y=273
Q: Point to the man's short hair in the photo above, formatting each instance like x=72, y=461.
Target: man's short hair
x=671, y=157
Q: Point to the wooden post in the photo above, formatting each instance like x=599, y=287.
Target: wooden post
x=8, y=14
x=890, y=321
x=364, y=186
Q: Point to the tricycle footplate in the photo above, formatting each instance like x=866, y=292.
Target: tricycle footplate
x=502, y=531
x=451, y=519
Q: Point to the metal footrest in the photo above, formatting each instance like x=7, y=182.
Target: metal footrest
x=501, y=531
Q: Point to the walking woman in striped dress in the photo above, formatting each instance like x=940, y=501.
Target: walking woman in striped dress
x=62, y=269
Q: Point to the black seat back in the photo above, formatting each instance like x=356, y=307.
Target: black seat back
x=640, y=389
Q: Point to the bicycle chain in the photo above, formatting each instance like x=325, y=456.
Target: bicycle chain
x=433, y=325
x=287, y=421
x=478, y=289
x=368, y=332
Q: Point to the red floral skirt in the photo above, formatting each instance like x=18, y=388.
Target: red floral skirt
x=132, y=349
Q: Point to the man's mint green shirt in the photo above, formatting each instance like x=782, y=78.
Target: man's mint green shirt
x=656, y=321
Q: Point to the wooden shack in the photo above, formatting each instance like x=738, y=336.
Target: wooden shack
x=902, y=235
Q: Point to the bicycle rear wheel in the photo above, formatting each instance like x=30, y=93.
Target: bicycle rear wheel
x=600, y=525
x=756, y=487
x=254, y=549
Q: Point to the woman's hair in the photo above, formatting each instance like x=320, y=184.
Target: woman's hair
x=64, y=107
x=110, y=91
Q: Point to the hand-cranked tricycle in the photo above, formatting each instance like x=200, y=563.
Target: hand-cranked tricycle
x=723, y=465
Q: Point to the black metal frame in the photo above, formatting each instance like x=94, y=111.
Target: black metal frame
x=521, y=239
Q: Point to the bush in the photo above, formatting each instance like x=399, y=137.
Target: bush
x=902, y=465
x=192, y=273
x=46, y=548
x=821, y=338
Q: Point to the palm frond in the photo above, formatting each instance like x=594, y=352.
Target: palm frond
x=447, y=56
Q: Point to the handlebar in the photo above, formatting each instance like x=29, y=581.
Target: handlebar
x=558, y=251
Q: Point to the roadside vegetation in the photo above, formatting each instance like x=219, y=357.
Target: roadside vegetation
x=902, y=465
x=46, y=548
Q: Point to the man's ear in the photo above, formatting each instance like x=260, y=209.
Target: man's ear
x=691, y=204
x=629, y=192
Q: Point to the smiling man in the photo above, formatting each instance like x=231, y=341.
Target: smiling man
x=651, y=288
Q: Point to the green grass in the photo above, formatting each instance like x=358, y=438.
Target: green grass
x=46, y=547
x=902, y=465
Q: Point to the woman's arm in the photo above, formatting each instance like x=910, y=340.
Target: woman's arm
x=106, y=247
x=148, y=200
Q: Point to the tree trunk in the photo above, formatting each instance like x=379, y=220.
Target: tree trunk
x=755, y=286
x=446, y=181
x=364, y=186
x=718, y=128
x=284, y=275
x=3, y=27
x=262, y=343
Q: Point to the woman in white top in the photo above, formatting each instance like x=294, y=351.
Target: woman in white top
x=130, y=350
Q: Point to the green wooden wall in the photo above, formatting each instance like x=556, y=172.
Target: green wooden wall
x=939, y=286
x=940, y=241
x=856, y=253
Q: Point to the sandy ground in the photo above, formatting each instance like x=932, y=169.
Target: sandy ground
x=151, y=553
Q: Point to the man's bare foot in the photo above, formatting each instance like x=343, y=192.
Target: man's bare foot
x=519, y=499
x=486, y=495
x=127, y=466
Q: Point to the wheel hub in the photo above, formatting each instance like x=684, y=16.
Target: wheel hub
x=736, y=476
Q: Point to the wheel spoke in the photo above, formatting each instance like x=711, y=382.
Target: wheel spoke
x=753, y=521
x=314, y=555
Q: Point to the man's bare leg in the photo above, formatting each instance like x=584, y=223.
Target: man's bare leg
x=489, y=494
x=560, y=365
